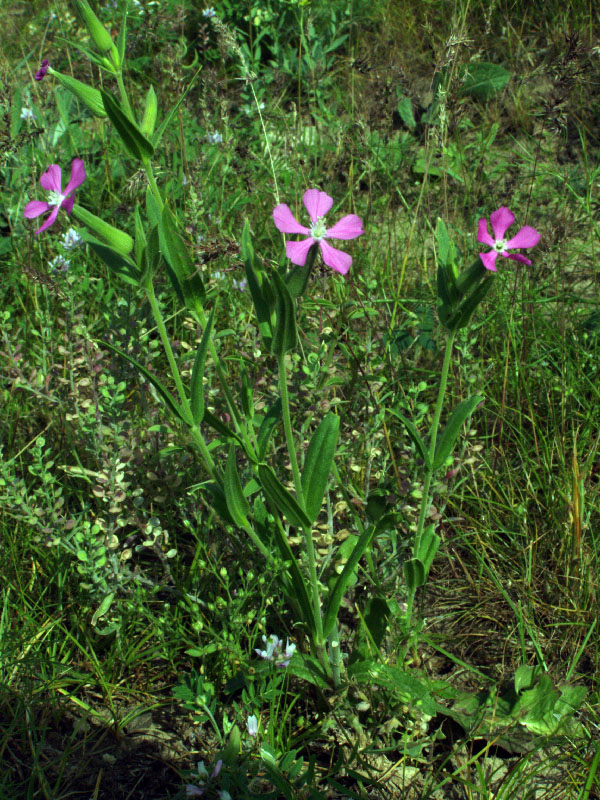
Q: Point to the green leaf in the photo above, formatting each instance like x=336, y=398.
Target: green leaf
x=404, y=685
x=308, y=669
x=134, y=140
x=267, y=426
x=260, y=289
x=197, y=386
x=405, y=113
x=151, y=255
x=414, y=435
x=483, y=80
x=167, y=120
x=279, y=497
x=153, y=209
x=116, y=239
x=122, y=37
x=344, y=579
x=317, y=464
x=414, y=573
x=121, y=265
x=162, y=390
x=297, y=278
x=184, y=276
x=140, y=238
x=428, y=547
x=461, y=317
x=237, y=505
x=103, y=607
x=284, y=334
x=447, y=440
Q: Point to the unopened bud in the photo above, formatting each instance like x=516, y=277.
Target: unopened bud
x=90, y=97
x=118, y=240
x=150, y=111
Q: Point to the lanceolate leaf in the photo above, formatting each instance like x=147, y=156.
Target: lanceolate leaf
x=447, y=440
x=184, y=276
x=335, y=598
x=237, y=505
x=271, y=419
x=414, y=435
x=197, y=386
x=284, y=334
x=123, y=266
x=283, y=500
x=133, y=139
x=317, y=464
x=162, y=390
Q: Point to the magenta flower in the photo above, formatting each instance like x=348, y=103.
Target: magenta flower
x=501, y=221
x=317, y=204
x=42, y=70
x=51, y=181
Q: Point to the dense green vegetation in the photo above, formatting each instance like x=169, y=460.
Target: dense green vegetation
x=155, y=530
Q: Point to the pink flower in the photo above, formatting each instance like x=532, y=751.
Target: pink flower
x=42, y=70
x=501, y=220
x=51, y=181
x=317, y=204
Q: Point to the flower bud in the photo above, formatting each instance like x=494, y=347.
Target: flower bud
x=90, y=97
x=120, y=241
x=150, y=111
x=100, y=36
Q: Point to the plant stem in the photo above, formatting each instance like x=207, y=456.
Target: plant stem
x=429, y=469
x=307, y=532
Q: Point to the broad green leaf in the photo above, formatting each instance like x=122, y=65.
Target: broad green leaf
x=184, y=276
x=279, y=497
x=317, y=464
x=151, y=255
x=237, y=505
x=414, y=574
x=460, y=318
x=336, y=596
x=405, y=113
x=404, y=685
x=103, y=607
x=308, y=669
x=197, y=385
x=267, y=426
x=483, y=80
x=374, y=624
x=153, y=209
x=123, y=266
x=133, y=139
x=284, y=333
x=428, y=547
x=162, y=390
x=446, y=442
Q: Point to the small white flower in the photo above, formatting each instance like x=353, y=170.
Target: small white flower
x=71, y=239
x=241, y=284
x=193, y=791
x=27, y=113
x=252, y=725
x=272, y=653
x=214, y=138
x=209, y=12
x=218, y=275
x=224, y=795
x=59, y=264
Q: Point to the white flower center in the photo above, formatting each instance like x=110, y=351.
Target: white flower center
x=500, y=245
x=55, y=199
x=318, y=230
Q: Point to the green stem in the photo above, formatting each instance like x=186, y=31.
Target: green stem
x=429, y=470
x=307, y=532
x=124, y=97
x=183, y=399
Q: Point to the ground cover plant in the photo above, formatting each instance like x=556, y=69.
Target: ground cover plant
x=300, y=451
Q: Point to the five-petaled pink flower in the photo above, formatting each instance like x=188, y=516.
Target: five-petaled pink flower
x=318, y=204
x=51, y=181
x=501, y=221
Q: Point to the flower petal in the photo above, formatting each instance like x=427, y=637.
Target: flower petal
x=50, y=221
x=317, y=203
x=526, y=237
x=501, y=221
x=349, y=227
x=77, y=176
x=489, y=260
x=297, y=251
x=517, y=257
x=336, y=259
x=483, y=235
x=35, y=208
x=68, y=204
x=51, y=180
x=286, y=222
